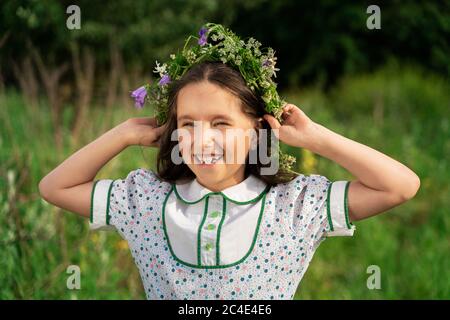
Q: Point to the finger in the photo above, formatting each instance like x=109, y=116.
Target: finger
x=292, y=108
x=156, y=143
x=155, y=139
x=274, y=124
x=157, y=131
x=289, y=108
x=292, y=113
x=146, y=121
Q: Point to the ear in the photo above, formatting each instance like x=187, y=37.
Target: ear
x=258, y=125
x=259, y=122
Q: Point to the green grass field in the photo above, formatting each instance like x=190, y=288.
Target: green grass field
x=403, y=113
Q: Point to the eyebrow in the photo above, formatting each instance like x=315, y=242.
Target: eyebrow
x=216, y=116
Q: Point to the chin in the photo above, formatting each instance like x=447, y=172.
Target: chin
x=212, y=175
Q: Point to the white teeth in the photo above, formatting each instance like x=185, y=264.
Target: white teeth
x=207, y=159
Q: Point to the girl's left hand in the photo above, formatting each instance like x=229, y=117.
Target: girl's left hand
x=296, y=129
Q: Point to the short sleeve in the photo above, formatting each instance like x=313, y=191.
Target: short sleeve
x=320, y=208
x=100, y=204
x=337, y=210
x=118, y=203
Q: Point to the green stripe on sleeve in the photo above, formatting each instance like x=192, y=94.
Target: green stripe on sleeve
x=91, y=214
x=108, y=202
x=330, y=222
x=347, y=219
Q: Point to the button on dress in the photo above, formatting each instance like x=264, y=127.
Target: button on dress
x=249, y=241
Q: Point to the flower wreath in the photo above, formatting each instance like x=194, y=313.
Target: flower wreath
x=217, y=43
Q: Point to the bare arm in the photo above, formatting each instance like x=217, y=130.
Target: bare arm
x=382, y=182
x=69, y=185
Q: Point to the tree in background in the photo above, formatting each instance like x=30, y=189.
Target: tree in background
x=316, y=42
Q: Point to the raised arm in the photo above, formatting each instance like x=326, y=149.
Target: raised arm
x=69, y=185
x=382, y=182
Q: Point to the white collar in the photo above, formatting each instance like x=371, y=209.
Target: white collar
x=249, y=190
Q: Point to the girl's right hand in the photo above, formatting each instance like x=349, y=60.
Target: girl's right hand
x=141, y=131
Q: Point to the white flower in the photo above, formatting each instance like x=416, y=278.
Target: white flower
x=160, y=69
x=265, y=84
x=190, y=56
x=268, y=65
x=250, y=43
x=267, y=97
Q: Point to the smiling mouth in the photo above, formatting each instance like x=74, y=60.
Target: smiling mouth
x=207, y=159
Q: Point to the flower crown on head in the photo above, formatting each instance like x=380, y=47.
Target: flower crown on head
x=217, y=43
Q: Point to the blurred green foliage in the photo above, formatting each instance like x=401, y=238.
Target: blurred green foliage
x=387, y=88
x=316, y=41
x=400, y=111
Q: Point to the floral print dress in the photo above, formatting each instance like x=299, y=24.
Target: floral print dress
x=249, y=241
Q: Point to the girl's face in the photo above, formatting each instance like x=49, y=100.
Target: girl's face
x=213, y=134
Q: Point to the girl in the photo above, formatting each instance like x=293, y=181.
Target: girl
x=210, y=229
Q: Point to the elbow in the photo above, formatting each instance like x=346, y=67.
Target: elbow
x=411, y=189
x=44, y=190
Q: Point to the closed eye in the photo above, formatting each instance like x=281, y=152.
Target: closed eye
x=216, y=124
x=222, y=124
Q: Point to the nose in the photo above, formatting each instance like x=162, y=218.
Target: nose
x=208, y=137
x=205, y=139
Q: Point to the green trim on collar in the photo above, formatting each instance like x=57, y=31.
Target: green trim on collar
x=174, y=188
x=330, y=222
x=91, y=213
x=222, y=194
x=107, y=203
x=347, y=219
x=255, y=235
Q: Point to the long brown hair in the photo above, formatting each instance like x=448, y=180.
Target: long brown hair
x=229, y=79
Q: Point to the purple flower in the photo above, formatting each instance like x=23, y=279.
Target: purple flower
x=202, y=31
x=139, y=96
x=164, y=80
x=202, y=34
x=266, y=63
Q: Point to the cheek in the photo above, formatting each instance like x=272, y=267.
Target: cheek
x=236, y=147
x=185, y=141
x=184, y=147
